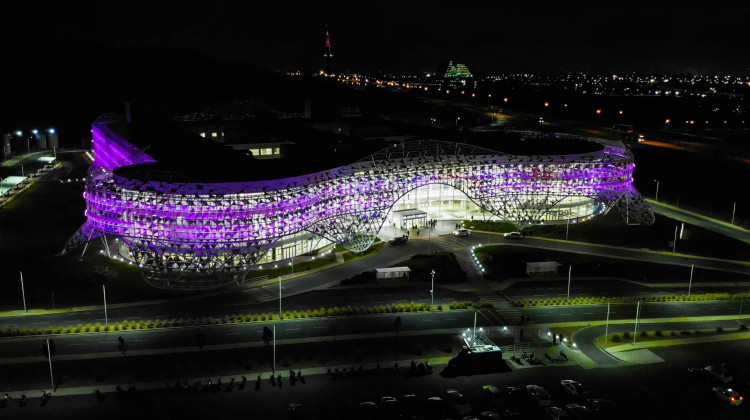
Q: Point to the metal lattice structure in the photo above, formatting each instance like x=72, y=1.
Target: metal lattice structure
x=201, y=235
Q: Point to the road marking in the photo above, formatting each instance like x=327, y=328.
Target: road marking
x=291, y=329
x=80, y=344
x=588, y=313
x=565, y=314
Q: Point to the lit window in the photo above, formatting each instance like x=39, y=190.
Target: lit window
x=267, y=151
x=254, y=152
x=276, y=151
x=214, y=134
x=203, y=134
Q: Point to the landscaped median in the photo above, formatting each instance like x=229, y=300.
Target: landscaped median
x=662, y=338
x=532, y=303
x=245, y=318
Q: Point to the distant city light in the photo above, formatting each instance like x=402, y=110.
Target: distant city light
x=51, y=131
x=622, y=112
x=598, y=111
x=546, y=104
x=19, y=132
x=505, y=99
x=35, y=131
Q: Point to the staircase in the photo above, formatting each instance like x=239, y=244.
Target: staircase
x=502, y=310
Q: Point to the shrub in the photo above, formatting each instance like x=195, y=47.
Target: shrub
x=626, y=335
x=643, y=334
x=616, y=338
x=743, y=327
x=685, y=332
x=658, y=333
x=440, y=307
x=719, y=329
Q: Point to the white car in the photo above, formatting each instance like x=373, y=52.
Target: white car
x=458, y=403
x=556, y=413
x=461, y=232
x=719, y=374
x=513, y=235
x=728, y=395
x=539, y=395
x=578, y=411
x=572, y=387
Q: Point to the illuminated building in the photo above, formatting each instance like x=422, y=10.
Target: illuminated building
x=189, y=235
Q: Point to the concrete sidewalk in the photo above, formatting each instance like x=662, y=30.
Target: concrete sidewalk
x=367, y=368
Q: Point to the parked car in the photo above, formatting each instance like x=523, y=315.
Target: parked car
x=728, y=395
x=296, y=411
x=461, y=232
x=458, y=403
x=409, y=406
x=719, y=374
x=539, y=395
x=556, y=413
x=512, y=235
x=399, y=240
x=572, y=387
x=578, y=411
x=388, y=407
x=435, y=408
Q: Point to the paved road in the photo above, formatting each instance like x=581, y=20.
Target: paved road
x=724, y=228
x=544, y=289
x=586, y=339
x=233, y=334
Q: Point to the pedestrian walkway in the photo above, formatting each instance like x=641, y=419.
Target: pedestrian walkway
x=261, y=294
x=502, y=309
x=224, y=380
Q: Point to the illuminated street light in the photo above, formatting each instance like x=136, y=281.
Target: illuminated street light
x=546, y=104
x=51, y=131
x=35, y=131
x=19, y=133
x=598, y=111
x=622, y=112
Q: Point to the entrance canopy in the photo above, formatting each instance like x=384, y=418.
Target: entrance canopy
x=402, y=217
x=392, y=272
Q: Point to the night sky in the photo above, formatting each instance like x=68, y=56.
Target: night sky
x=492, y=36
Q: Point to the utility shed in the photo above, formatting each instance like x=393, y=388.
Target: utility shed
x=542, y=267
x=392, y=272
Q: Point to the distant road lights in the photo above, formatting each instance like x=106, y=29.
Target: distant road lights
x=19, y=133
x=473, y=95
x=489, y=96
x=598, y=112
x=621, y=112
x=565, y=106
x=463, y=92
x=51, y=131
x=447, y=91
x=546, y=104
x=505, y=99
x=35, y=131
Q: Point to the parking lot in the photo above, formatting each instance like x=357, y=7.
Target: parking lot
x=644, y=391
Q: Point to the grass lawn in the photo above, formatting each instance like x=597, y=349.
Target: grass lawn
x=447, y=270
x=503, y=262
x=615, y=339
x=287, y=269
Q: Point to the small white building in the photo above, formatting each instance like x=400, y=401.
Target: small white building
x=542, y=267
x=392, y=272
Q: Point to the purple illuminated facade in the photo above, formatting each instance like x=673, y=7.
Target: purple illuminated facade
x=202, y=235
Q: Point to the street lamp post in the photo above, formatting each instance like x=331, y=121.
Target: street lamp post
x=637, y=312
x=567, y=228
x=690, y=285
x=475, y=325
x=674, y=243
x=274, y=348
x=742, y=300
x=23, y=293
x=104, y=293
x=49, y=357
x=570, y=269
x=606, y=326
x=734, y=207
x=432, y=288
